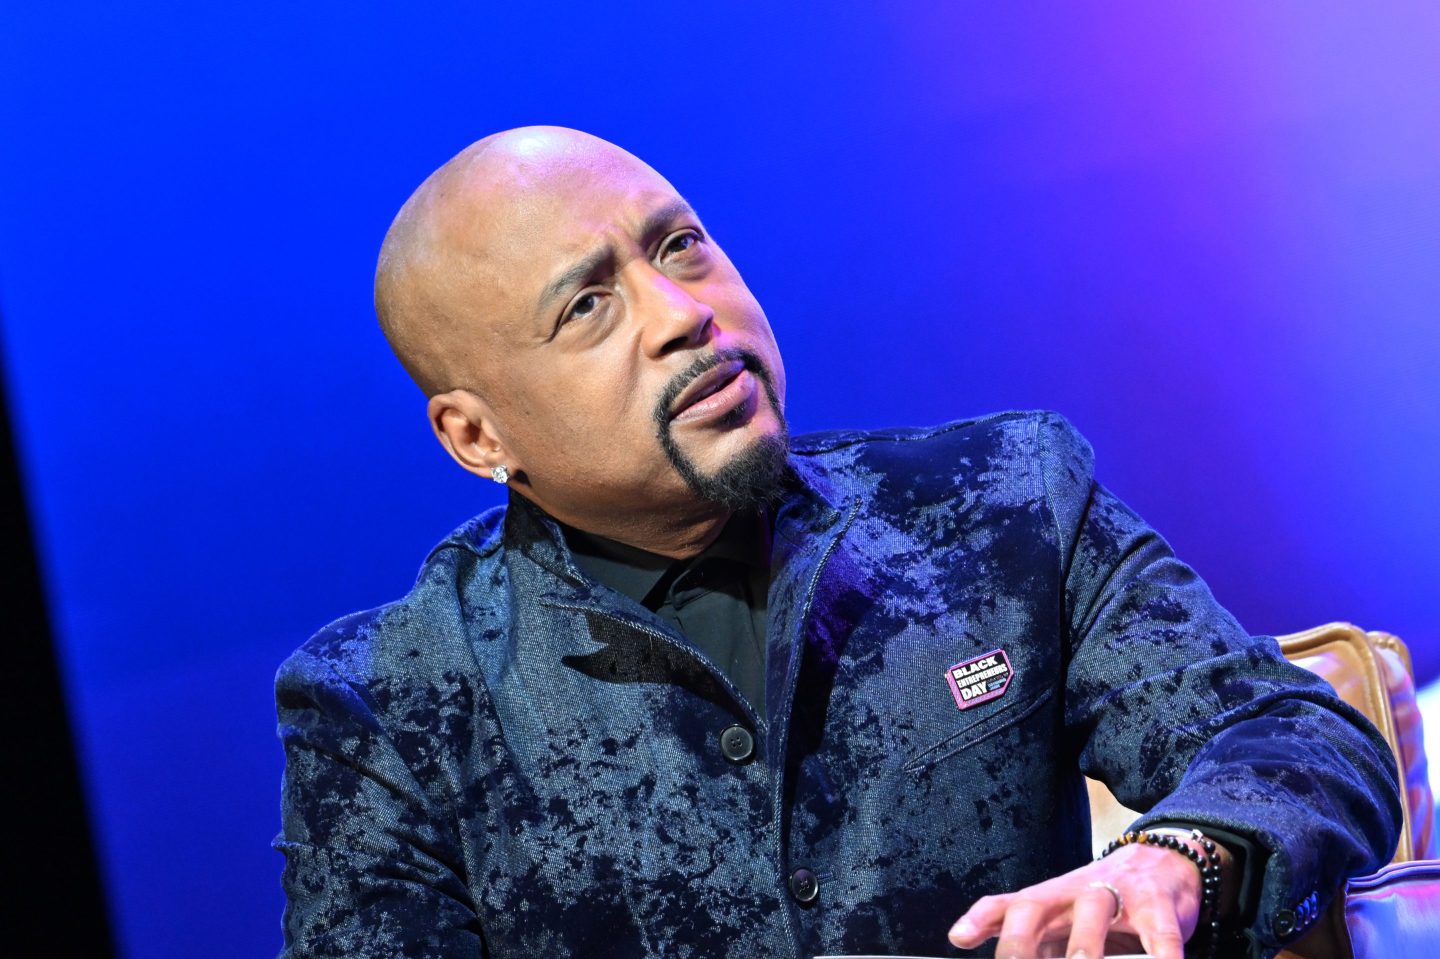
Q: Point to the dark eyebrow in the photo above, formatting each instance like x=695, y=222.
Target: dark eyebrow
x=655, y=221
x=661, y=217
x=577, y=274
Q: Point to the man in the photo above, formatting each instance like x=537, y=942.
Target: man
x=699, y=691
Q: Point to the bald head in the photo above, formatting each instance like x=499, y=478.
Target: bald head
x=457, y=239
x=583, y=338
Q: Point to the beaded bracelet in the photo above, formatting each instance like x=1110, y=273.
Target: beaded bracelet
x=1207, y=862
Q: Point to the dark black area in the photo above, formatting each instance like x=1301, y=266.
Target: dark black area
x=54, y=900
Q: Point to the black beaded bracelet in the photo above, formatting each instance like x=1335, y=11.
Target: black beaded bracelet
x=1208, y=862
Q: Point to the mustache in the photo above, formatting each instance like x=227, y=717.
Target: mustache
x=702, y=365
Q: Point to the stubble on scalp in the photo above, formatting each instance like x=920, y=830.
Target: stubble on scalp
x=752, y=478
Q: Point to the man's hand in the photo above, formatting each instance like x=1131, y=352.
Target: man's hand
x=1160, y=890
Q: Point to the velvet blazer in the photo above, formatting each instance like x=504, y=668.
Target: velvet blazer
x=514, y=761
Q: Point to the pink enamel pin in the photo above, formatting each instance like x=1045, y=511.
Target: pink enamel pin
x=981, y=679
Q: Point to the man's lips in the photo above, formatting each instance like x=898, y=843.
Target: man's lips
x=706, y=384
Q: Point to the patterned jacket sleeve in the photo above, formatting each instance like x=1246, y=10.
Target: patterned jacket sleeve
x=1183, y=714
x=370, y=868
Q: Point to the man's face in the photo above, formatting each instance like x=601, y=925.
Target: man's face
x=631, y=369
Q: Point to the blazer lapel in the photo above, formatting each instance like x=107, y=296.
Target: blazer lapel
x=542, y=566
x=808, y=528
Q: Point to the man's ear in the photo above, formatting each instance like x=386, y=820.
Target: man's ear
x=465, y=426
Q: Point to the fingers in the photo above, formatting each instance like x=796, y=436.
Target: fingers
x=1027, y=923
x=980, y=922
x=1079, y=913
x=1081, y=910
x=1158, y=928
x=1022, y=931
x=1095, y=909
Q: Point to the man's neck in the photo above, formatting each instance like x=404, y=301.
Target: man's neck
x=675, y=535
x=682, y=542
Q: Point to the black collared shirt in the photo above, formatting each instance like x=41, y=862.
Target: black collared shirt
x=717, y=600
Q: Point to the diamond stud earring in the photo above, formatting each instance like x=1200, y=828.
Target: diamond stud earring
x=500, y=474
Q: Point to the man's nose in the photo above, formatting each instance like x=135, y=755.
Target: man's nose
x=674, y=318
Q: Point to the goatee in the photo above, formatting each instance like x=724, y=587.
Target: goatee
x=752, y=478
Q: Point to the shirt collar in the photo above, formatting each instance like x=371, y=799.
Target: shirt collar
x=633, y=572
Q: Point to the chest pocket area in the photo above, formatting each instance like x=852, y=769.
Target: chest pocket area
x=981, y=728
x=945, y=693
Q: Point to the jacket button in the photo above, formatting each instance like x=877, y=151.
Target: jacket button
x=804, y=886
x=1284, y=922
x=737, y=744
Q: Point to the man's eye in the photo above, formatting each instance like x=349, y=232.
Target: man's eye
x=583, y=306
x=681, y=242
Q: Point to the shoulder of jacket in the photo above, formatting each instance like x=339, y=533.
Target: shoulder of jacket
x=361, y=646
x=480, y=536
x=1013, y=457
x=1044, y=426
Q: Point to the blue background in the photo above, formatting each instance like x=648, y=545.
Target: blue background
x=1208, y=234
